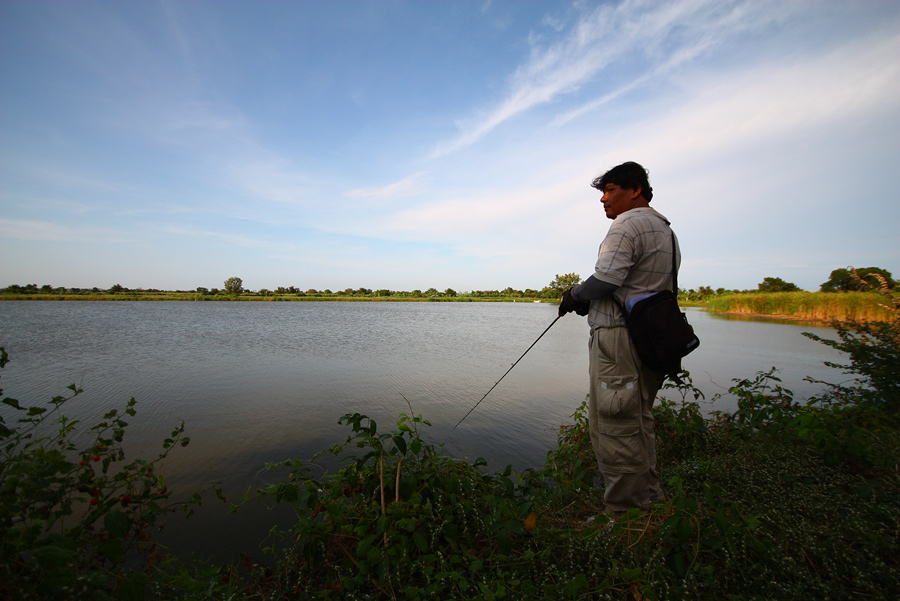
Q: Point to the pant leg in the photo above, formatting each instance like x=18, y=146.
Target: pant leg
x=620, y=417
x=648, y=420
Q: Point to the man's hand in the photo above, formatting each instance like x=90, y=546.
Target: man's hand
x=569, y=304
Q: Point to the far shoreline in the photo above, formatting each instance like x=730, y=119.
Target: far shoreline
x=810, y=307
x=195, y=297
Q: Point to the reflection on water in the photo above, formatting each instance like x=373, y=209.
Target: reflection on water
x=739, y=347
x=260, y=382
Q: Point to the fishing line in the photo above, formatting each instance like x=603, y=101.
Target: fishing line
x=507, y=371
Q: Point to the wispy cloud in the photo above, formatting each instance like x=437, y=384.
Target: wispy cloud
x=774, y=101
x=682, y=55
x=230, y=238
x=408, y=186
x=632, y=31
x=269, y=178
x=46, y=231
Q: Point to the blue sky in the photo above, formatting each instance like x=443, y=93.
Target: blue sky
x=402, y=145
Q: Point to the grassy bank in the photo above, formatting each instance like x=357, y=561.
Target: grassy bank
x=776, y=501
x=814, y=306
x=755, y=508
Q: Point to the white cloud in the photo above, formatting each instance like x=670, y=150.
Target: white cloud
x=36, y=231
x=408, y=186
x=630, y=31
x=724, y=112
x=270, y=178
x=229, y=238
x=712, y=113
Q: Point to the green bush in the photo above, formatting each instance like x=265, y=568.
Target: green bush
x=756, y=507
x=401, y=519
x=75, y=521
x=874, y=353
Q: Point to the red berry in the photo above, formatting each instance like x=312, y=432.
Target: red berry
x=96, y=457
x=96, y=493
x=126, y=500
x=81, y=462
x=94, y=501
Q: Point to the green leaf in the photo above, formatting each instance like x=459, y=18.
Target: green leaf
x=52, y=557
x=112, y=550
x=131, y=587
x=12, y=403
x=364, y=545
x=382, y=523
x=400, y=443
x=577, y=583
x=408, y=487
x=504, y=542
x=420, y=540
x=678, y=564
x=117, y=524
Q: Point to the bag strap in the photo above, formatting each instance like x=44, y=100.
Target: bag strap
x=674, y=282
x=674, y=270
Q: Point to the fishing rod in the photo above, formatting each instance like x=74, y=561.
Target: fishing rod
x=507, y=371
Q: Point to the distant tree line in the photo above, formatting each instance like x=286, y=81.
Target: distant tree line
x=841, y=280
x=48, y=289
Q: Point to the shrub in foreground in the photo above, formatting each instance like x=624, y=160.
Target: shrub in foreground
x=754, y=509
x=75, y=520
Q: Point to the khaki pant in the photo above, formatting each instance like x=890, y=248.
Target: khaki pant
x=620, y=416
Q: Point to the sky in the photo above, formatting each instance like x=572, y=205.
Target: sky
x=392, y=144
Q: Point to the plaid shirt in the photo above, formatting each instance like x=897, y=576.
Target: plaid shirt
x=636, y=256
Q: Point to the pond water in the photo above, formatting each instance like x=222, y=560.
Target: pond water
x=259, y=382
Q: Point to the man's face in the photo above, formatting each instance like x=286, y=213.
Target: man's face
x=616, y=200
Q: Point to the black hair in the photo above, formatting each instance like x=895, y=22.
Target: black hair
x=628, y=175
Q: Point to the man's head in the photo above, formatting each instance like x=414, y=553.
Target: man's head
x=624, y=187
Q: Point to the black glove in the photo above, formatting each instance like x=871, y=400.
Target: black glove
x=569, y=304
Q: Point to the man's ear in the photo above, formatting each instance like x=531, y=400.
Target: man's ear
x=636, y=192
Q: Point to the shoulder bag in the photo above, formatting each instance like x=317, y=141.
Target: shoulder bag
x=659, y=329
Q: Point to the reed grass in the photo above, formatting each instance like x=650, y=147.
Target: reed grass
x=817, y=306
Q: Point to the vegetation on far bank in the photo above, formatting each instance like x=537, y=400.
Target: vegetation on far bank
x=812, y=306
x=774, y=297
x=254, y=297
x=234, y=290
x=780, y=499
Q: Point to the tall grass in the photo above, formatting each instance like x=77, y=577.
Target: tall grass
x=822, y=306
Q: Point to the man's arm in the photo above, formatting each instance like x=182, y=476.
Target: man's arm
x=592, y=289
x=579, y=298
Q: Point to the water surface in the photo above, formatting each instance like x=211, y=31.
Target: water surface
x=259, y=382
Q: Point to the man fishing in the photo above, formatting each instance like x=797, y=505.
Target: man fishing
x=634, y=261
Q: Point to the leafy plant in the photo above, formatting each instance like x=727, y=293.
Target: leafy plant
x=74, y=519
x=874, y=351
x=401, y=518
x=680, y=426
